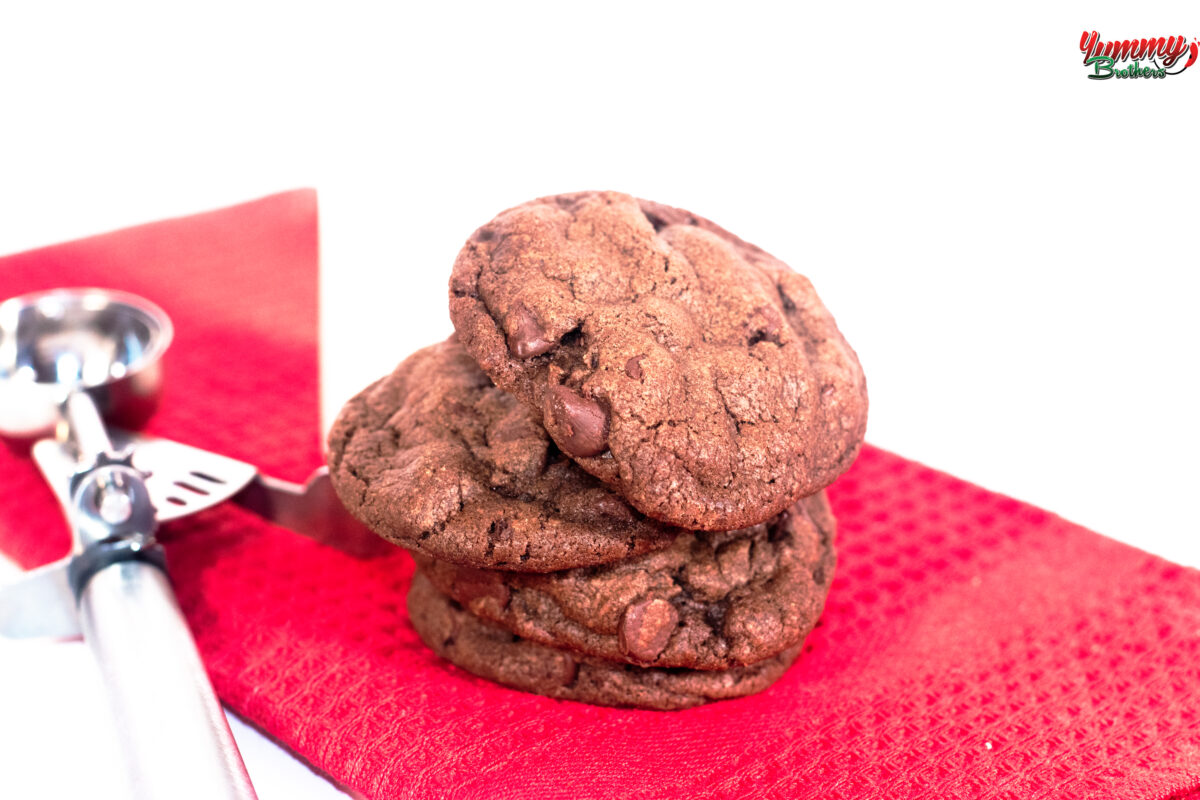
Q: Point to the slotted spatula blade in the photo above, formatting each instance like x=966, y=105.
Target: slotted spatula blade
x=183, y=479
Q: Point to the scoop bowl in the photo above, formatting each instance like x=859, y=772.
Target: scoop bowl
x=104, y=342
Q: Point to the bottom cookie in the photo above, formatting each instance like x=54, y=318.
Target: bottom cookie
x=496, y=654
x=709, y=601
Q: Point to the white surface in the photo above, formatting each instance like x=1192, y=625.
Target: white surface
x=1010, y=247
x=57, y=733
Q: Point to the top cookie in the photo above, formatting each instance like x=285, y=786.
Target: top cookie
x=435, y=458
x=692, y=371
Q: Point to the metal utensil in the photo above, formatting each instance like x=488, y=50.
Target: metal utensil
x=180, y=480
x=64, y=355
x=105, y=342
x=184, y=480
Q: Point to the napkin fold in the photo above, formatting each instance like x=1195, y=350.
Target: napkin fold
x=972, y=647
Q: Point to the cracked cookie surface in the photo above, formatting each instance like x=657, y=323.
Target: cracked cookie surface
x=436, y=459
x=709, y=601
x=493, y=653
x=694, y=372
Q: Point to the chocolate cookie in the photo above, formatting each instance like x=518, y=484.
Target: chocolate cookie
x=692, y=371
x=435, y=458
x=497, y=655
x=709, y=601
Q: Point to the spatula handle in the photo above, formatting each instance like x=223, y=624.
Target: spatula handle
x=174, y=733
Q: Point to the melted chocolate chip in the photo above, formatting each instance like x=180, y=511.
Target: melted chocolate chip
x=526, y=337
x=658, y=222
x=581, y=422
x=633, y=368
x=646, y=627
x=568, y=670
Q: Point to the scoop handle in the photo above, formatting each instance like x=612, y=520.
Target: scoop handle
x=174, y=734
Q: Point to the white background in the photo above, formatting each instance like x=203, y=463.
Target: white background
x=1010, y=247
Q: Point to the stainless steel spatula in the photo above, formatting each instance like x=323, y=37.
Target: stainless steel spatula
x=181, y=480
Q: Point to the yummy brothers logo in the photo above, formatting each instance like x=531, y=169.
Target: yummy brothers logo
x=1136, y=58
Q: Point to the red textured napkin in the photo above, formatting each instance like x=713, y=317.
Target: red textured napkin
x=972, y=647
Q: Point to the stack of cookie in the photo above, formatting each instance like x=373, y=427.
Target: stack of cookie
x=611, y=476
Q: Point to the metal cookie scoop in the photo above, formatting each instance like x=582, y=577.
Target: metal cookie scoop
x=66, y=357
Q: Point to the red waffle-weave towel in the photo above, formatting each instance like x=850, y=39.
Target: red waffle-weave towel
x=972, y=647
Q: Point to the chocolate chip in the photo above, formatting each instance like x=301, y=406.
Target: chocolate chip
x=658, y=222
x=646, y=627
x=633, y=368
x=568, y=670
x=526, y=337
x=581, y=422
